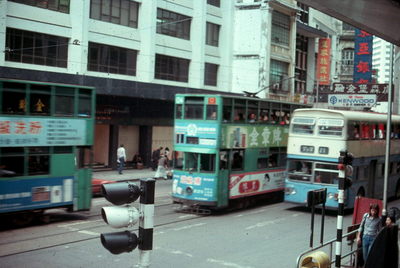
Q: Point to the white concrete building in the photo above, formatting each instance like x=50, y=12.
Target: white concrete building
x=381, y=59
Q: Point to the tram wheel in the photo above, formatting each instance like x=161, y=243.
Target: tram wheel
x=22, y=219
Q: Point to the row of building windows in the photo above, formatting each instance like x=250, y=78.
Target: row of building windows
x=49, y=50
x=56, y=5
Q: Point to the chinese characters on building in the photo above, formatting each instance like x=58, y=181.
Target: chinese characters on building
x=324, y=61
x=362, y=57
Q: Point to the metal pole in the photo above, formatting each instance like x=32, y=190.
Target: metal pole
x=339, y=226
x=316, y=103
x=312, y=225
x=146, y=222
x=388, y=132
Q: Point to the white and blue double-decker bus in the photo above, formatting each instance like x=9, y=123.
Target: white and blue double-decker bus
x=317, y=136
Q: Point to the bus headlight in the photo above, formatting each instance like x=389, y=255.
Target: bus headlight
x=290, y=190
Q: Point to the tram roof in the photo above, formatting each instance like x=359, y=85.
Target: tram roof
x=349, y=115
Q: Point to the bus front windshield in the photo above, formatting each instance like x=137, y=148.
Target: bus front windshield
x=318, y=172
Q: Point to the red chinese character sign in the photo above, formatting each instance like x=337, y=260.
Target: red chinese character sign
x=324, y=61
x=362, y=57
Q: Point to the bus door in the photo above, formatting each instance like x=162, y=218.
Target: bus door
x=84, y=156
x=223, y=178
x=371, y=179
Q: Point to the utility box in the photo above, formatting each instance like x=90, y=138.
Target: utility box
x=317, y=259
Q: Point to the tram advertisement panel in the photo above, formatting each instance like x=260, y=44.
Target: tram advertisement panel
x=202, y=135
x=18, y=132
x=254, y=136
x=200, y=187
x=256, y=183
x=28, y=194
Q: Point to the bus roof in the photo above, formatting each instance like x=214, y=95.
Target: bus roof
x=348, y=115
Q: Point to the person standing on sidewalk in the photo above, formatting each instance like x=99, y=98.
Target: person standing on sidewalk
x=121, y=157
x=162, y=168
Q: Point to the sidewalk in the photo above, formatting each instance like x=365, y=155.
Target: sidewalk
x=127, y=174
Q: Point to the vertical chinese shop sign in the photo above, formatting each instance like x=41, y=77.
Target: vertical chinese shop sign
x=362, y=57
x=324, y=61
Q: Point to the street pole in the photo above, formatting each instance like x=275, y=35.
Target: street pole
x=316, y=103
x=388, y=132
x=339, y=225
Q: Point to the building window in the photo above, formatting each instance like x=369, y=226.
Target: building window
x=173, y=24
x=348, y=56
x=210, y=74
x=110, y=59
x=212, y=34
x=123, y=12
x=216, y=3
x=36, y=48
x=301, y=64
x=171, y=68
x=56, y=5
x=280, y=28
x=302, y=13
x=279, y=76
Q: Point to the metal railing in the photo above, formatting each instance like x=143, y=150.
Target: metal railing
x=329, y=244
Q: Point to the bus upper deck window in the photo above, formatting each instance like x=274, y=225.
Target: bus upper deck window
x=330, y=127
x=85, y=103
x=194, y=107
x=64, y=101
x=178, y=111
x=303, y=125
x=212, y=112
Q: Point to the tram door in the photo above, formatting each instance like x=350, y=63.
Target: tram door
x=84, y=159
x=372, y=179
x=223, y=178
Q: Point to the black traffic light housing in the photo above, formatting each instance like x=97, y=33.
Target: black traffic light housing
x=346, y=162
x=119, y=242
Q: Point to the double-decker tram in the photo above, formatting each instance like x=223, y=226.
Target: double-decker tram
x=229, y=150
x=46, y=136
x=316, y=138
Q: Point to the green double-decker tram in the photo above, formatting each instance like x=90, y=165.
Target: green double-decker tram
x=46, y=138
x=229, y=150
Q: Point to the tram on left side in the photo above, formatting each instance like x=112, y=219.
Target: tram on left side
x=46, y=139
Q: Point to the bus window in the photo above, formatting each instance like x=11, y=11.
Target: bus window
x=64, y=101
x=211, y=112
x=381, y=131
x=194, y=107
x=178, y=111
x=237, y=160
x=353, y=131
x=38, y=161
x=239, y=110
x=227, y=110
x=223, y=159
x=191, y=161
x=85, y=105
x=207, y=162
x=330, y=127
x=12, y=162
x=326, y=173
x=178, y=160
x=303, y=125
x=299, y=170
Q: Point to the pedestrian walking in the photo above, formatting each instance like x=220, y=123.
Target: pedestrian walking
x=162, y=168
x=121, y=158
x=155, y=156
x=370, y=226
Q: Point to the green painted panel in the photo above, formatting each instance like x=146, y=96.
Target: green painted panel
x=84, y=189
x=257, y=136
x=62, y=164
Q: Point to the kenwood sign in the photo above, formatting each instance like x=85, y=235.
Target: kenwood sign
x=344, y=100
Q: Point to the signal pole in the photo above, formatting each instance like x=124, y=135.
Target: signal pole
x=339, y=225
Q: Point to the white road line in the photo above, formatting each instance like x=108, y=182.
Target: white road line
x=76, y=223
x=265, y=223
x=228, y=264
x=189, y=226
x=89, y=233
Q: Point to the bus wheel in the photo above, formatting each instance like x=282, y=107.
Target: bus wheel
x=361, y=192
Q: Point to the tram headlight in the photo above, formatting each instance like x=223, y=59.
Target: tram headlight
x=290, y=190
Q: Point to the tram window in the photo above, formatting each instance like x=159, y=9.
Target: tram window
x=40, y=104
x=237, y=160
x=252, y=111
x=223, y=159
x=211, y=112
x=207, y=162
x=14, y=102
x=178, y=159
x=194, y=107
x=64, y=101
x=239, y=110
x=62, y=149
x=274, y=158
x=38, y=160
x=227, y=110
x=191, y=161
x=262, y=163
x=85, y=105
x=178, y=111
x=12, y=162
x=264, y=111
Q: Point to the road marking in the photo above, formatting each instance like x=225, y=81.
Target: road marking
x=89, y=233
x=229, y=264
x=265, y=223
x=186, y=216
x=252, y=212
x=188, y=226
x=76, y=223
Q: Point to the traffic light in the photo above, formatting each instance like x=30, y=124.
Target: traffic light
x=345, y=164
x=125, y=215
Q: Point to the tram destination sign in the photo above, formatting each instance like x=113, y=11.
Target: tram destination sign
x=17, y=132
